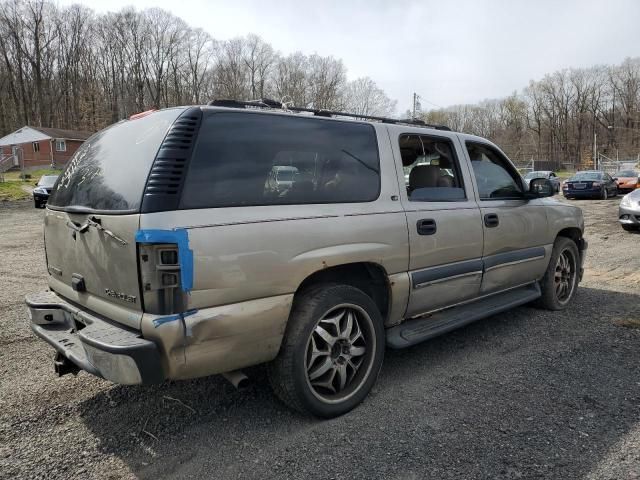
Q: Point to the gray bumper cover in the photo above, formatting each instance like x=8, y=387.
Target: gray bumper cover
x=95, y=345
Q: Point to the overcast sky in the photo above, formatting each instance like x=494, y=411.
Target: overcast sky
x=449, y=52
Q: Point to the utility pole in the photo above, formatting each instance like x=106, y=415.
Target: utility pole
x=416, y=105
x=595, y=149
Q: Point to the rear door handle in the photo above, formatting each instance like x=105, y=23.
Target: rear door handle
x=491, y=220
x=427, y=226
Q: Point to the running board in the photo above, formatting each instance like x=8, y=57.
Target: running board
x=418, y=330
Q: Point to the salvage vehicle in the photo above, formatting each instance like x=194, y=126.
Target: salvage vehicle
x=185, y=263
x=590, y=184
x=43, y=189
x=627, y=180
x=629, y=211
x=553, y=178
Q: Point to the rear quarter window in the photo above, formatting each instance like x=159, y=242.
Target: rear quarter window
x=110, y=169
x=244, y=159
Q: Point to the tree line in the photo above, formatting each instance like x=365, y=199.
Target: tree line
x=70, y=67
x=559, y=118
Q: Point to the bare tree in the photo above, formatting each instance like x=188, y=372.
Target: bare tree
x=362, y=96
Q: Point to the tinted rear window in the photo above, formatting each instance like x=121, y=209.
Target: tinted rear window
x=586, y=176
x=257, y=159
x=110, y=169
x=48, y=181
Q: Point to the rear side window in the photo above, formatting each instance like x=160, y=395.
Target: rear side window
x=246, y=159
x=110, y=169
x=431, y=171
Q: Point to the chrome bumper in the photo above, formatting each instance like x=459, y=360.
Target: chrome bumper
x=94, y=344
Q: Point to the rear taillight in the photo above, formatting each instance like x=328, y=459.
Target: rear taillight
x=160, y=277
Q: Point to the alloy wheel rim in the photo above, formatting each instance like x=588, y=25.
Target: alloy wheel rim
x=564, y=279
x=339, y=353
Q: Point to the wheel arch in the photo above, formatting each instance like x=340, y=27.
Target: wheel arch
x=575, y=234
x=369, y=277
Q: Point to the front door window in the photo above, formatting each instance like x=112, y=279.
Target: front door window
x=495, y=178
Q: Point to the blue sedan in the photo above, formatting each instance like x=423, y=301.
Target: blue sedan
x=590, y=184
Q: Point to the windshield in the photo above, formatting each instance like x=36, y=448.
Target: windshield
x=587, y=176
x=531, y=175
x=109, y=171
x=626, y=173
x=48, y=181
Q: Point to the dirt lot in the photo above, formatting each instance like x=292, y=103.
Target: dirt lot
x=525, y=394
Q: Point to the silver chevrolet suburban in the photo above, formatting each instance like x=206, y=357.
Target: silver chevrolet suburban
x=172, y=252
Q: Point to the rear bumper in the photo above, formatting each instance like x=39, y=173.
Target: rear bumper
x=192, y=344
x=582, y=193
x=94, y=344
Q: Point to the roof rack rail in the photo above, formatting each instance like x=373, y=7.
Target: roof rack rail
x=274, y=104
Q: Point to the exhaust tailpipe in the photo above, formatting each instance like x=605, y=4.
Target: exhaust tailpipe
x=237, y=379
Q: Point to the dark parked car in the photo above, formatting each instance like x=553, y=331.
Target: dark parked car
x=548, y=174
x=590, y=184
x=43, y=189
x=629, y=211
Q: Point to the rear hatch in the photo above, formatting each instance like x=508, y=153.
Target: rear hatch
x=93, y=216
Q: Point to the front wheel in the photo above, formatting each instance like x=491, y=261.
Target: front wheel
x=604, y=195
x=560, y=281
x=629, y=228
x=331, y=353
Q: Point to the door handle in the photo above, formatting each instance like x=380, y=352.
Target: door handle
x=427, y=226
x=491, y=220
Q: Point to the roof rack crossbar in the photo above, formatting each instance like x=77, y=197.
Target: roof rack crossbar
x=273, y=104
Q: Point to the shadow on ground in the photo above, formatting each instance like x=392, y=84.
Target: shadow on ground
x=527, y=393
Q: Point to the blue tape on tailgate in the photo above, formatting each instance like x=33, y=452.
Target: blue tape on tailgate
x=179, y=236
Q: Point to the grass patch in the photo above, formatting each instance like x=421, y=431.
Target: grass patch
x=12, y=191
x=629, y=323
x=14, y=175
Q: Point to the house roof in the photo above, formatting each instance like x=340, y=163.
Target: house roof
x=34, y=134
x=60, y=133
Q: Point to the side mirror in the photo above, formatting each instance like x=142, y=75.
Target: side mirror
x=540, y=188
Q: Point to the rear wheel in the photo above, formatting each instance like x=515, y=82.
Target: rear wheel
x=37, y=204
x=560, y=281
x=332, y=351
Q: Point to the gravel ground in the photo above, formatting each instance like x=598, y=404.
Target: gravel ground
x=525, y=394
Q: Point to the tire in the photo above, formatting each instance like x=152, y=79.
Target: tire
x=339, y=385
x=629, y=228
x=604, y=195
x=37, y=204
x=559, y=285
